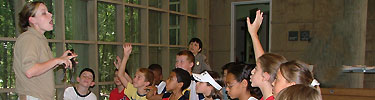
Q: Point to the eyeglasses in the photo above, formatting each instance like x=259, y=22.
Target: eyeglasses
x=231, y=85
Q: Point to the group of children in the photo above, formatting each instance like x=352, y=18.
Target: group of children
x=272, y=77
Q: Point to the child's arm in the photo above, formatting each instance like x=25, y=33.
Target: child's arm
x=121, y=74
x=253, y=30
x=117, y=63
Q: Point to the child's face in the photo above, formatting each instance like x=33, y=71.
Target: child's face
x=116, y=79
x=139, y=80
x=280, y=83
x=202, y=87
x=182, y=62
x=157, y=76
x=86, y=79
x=256, y=77
x=194, y=47
x=232, y=86
x=172, y=82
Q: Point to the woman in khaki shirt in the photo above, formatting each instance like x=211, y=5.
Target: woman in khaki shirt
x=33, y=62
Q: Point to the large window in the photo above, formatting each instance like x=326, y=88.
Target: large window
x=96, y=30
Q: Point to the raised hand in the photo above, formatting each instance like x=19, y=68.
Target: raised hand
x=254, y=27
x=117, y=62
x=127, y=49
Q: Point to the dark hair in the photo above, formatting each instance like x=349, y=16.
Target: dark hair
x=198, y=41
x=299, y=92
x=89, y=70
x=296, y=71
x=189, y=54
x=226, y=66
x=270, y=63
x=28, y=10
x=215, y=94
x=242, y=72
x=182, y=76
x=156, y=67
x=149, y=76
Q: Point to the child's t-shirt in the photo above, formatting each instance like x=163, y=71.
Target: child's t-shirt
x=71, y=93
x=117, y=96
x=269, y=98
x=132, y=93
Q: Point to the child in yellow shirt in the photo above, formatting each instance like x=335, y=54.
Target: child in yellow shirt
x=143, y=78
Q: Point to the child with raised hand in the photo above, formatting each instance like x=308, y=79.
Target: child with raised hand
x=177, y=82
x=81, y=90
x=299, y=92
x=267, y=64
x=209, y=84
x=292, y=73
x=118, y=92
x=143, y=78
x=238, y=83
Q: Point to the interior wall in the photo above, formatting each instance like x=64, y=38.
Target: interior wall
x=370, y=36
x=337, y=30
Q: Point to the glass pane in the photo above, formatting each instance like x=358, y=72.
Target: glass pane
x=192, y=7
x=155, y=3
x=50, y=6
x=174, y=29
x=174, y=5
x=192, y=28
x=75, y=20
x=155, y=27
x=8, y=96
x=132, y=1
x=7, y=76
x=155, y=55
x=105, y=90
x=132, y=25
x=107, y=54
x=106, y=22
x=172, y=56
x=134, y=61
x=7, y=25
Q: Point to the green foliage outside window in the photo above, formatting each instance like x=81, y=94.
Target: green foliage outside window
x=105, y=90
x=7, y=76
x=75, y=20
x=106, y=22
x=132, y=25
x=133, y=1
x=7, y=23
x=107, y=54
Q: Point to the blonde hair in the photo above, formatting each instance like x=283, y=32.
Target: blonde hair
x=27, y=11
x=299, y=92
x=270, y=63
